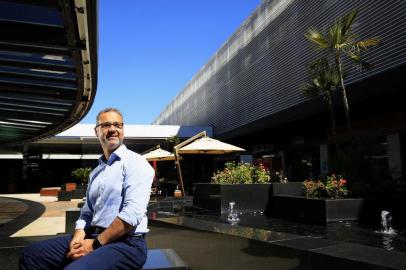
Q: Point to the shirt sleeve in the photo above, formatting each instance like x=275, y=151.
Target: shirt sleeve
x=137, y=188
x=86, y=214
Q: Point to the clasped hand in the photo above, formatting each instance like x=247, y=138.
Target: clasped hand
x=79, y=248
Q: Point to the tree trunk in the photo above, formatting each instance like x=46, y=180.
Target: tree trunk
x=344, y=93
x=333, y=122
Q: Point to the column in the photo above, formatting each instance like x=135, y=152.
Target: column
x=394, y=155
x=323, y=159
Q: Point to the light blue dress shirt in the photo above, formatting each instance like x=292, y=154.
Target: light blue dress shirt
x=120, y=188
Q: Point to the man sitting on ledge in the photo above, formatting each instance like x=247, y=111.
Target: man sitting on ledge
x=110, y=232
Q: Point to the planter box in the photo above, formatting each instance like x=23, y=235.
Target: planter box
x=69, y=186
x=316, y=210
x=49, y=191
x=64, y=195
x=290, y=188
x=248, y=197
x=78, y=193
x=71, y=215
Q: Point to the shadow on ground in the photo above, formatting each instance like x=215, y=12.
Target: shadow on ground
x=34, y=211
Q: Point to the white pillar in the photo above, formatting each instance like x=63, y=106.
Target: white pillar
x=323, y=159
x=394, y=155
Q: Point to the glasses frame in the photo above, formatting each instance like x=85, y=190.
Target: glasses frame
x=107, y=125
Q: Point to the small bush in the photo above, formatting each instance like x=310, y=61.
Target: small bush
x=333, y=186
x=242, y=173
x=313, y=189
x=82, y=174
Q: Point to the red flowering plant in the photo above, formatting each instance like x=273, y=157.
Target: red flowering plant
x=336, y=186
x=313, y=189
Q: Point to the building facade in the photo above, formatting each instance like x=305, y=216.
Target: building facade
x=250, y=90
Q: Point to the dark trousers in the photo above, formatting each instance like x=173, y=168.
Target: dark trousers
x=128, y=253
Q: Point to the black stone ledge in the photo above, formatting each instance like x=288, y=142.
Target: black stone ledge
x=10, y=249
x=240, y=231
x=314, y=253
x=369, y=256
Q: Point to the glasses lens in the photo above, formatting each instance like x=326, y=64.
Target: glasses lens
x=118, y=125
x=107, y=125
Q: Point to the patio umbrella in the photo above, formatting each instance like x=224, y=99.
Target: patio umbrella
x=159, y=155
x=207, y=145
x=155, y=154
x=201, y=144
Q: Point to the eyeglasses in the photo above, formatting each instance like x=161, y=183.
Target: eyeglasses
x=107, y=125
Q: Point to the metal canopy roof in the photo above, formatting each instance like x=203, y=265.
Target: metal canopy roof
x=48, y=66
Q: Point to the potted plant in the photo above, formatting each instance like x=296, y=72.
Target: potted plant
x=323, y=201
x=245, y=184
x=82, y=174
x=250, y=187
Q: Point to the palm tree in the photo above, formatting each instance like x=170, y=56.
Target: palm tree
x=82, y=174
x=340, y=41
x=324, y=80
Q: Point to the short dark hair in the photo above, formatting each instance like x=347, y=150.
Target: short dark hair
x=109, y=109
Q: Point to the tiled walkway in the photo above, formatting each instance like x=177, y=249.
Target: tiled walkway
x=50, y=222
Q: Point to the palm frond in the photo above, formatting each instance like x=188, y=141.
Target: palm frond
x=310, y=90
x=335, y=35
x=347, y=21
x=365, y=44
x=316, y=37
x=318, y=66
x=354, y=56
x=324, y=79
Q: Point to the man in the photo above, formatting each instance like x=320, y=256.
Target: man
x=110, y=232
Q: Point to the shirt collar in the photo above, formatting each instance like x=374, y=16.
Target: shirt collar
x=117, y=154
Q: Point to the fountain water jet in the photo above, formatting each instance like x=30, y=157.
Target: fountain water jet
x=386, y=220
x=232, y=216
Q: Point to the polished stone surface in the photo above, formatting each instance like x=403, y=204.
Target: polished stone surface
x=347, y=231
x=343, y=244
x=368, y=255
x=164, y=259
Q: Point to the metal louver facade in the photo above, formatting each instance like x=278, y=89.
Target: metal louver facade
x=260, y=69
x=48, y=66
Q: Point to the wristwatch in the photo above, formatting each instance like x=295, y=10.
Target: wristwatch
x=96, y=243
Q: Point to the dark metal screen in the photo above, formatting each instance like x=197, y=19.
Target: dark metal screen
x=260, y=69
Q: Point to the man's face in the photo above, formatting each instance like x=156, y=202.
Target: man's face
x=110, y=130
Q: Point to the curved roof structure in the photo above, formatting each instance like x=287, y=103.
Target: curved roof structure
x=48, y=66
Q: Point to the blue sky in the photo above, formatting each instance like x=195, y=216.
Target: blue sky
x=150, y=49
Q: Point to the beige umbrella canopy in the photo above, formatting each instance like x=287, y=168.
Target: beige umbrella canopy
x=159, y=155
x=208, y=145
x=201, y=144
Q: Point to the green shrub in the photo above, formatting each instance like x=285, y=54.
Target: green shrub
x=313, y=189
x=242, y=173
x=333, y=186
x=82, y=174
